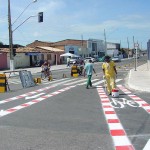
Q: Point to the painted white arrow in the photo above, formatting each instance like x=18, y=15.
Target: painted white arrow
x=34, y=96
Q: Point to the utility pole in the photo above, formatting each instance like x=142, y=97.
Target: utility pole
x=128, y=47
x=82, y=45
x=12, y=67
x=10, y=39
x=105, y=43
x=135, y=51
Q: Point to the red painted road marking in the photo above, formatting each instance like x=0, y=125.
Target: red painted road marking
x=137, y=99
x=119, y=136
x=24, y=95
x=14, y=109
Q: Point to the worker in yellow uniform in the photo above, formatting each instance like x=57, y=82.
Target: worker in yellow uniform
x=110, y=72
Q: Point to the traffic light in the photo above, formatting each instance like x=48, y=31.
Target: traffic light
x=40, y=17
x=14, y=52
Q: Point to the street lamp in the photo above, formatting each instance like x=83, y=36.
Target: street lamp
x=24, y=10
x=11, y=33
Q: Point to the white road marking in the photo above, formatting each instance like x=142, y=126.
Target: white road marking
x=34, y=96
x=76, y=82
x=86, y=82
x=147, y=146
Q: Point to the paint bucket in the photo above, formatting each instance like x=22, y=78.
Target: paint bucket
x=115, y=93
x=75, y=75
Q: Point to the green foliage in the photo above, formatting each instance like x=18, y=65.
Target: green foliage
x=1, y=43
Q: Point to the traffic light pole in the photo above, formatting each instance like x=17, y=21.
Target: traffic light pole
x=12, y=66
x=10, y=39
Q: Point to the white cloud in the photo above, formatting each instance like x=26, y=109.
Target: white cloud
x=36, y=34
x=129, y=22
x=51, y=6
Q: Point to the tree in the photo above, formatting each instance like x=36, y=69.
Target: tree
x=1, y=43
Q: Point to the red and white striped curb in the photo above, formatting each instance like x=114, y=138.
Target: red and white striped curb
x=137, y=99
x=119, y=136
x=14, y=109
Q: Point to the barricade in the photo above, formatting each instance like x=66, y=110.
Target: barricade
x=3, y=80
x=74, y=71
x=37, y=80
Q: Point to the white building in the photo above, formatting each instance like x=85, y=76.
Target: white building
x=96, y=47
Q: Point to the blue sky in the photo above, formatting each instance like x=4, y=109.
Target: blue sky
x=72, y=19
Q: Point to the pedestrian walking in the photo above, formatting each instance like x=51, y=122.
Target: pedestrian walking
x=68, y=61
x=110, y=72
x=88, y=70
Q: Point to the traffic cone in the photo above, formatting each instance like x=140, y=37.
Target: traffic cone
x=50, y=78
x=35, y=80
x=64, y=76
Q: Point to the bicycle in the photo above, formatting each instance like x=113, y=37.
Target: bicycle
x=121, y=102
x=46, y=74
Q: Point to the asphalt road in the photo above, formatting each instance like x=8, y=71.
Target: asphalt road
x=63, y=115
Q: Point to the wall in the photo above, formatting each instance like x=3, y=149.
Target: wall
x=113, y=45
x=3, y=60
x=20, y=60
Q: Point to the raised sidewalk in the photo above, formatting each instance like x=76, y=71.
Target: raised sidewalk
x=140, y=79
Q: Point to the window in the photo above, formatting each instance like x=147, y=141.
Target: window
x=94, y=46
x=42, y=56
x=48, y=56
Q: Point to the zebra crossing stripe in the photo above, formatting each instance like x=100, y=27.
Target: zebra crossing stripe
x=86, y=82
x=68, y=80
x=75, y=82
x=97, y=83
x=53, y=81
x=117, y=132
x=137, y=99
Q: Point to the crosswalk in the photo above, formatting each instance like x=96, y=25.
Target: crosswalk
x=64, y=81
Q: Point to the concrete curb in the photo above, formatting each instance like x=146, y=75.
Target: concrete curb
x=139, y=81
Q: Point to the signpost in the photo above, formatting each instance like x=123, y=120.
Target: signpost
x=136, y=45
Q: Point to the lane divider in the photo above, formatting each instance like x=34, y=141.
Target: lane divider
x=137, y=99
x=33, y=92
x=19, y=107
x=25, y=95
x=37, y=91
x=117, y=132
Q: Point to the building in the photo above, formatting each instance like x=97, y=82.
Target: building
x=148, y=49
x=83, y=48
x=96, y=48
x=30, y=57
x=112, y=47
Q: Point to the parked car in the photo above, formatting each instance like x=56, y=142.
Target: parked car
x=74, y=59
x=88, y=58
x=101, y=59
x=116, y=59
